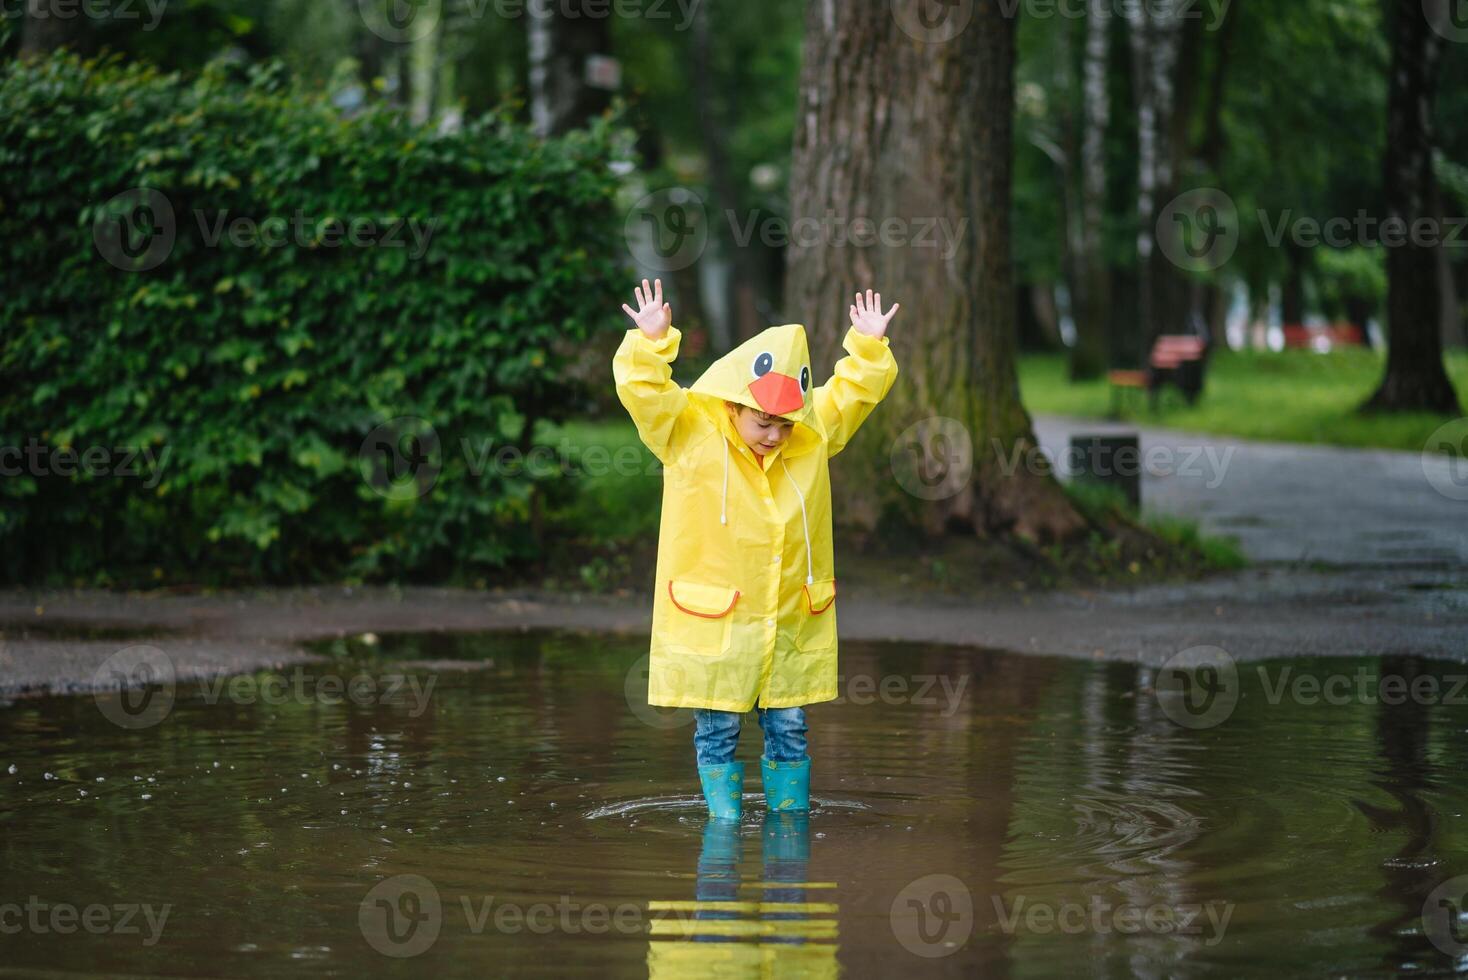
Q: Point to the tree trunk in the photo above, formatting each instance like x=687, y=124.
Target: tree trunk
x=562, y=36
x=423, y=64
x=1451, y=312
x=1090, y=355
x=717, y=125
x=890, y=127
x=1415, y=377
x=48, y=26
x=1165, y=42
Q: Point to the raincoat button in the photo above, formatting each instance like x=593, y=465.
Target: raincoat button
x=769, y=622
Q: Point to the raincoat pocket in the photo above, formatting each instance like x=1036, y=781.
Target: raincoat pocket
x=701, y=617
x=818, y=622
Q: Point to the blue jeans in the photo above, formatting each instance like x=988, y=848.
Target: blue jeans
x=716, y=733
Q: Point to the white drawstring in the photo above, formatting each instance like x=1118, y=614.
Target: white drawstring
x=724, y=504
x=810, y=575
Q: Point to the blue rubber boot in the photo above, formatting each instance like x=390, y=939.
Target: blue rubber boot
x=723, y=789
x=787, y=784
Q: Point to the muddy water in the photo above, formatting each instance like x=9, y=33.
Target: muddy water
x=499, y=805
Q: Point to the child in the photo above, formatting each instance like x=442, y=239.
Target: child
x=743, y=606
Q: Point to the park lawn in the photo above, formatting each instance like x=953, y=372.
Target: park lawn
x=1290, y=396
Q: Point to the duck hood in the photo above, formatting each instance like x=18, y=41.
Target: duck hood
x=770, y=372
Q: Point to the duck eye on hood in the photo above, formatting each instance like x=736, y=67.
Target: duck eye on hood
x=763, y=364
x=805, y=378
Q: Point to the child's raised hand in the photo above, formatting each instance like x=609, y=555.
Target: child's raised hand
x=653, y=317
x=867, y=316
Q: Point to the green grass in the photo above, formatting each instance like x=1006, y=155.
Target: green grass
x=1292, y=396
x=618, y=496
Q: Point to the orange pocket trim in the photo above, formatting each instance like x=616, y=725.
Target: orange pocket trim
x=813, y=610
x=702, y=615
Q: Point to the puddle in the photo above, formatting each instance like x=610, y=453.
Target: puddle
x=496, y=805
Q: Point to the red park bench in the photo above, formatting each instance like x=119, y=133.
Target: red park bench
x=1175, y=359
x=1297, y=336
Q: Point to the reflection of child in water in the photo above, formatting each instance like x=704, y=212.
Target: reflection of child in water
x=743, y=609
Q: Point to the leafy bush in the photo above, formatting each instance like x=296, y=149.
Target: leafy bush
x=381, y=270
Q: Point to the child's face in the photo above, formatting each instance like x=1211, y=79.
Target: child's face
x=761, y=432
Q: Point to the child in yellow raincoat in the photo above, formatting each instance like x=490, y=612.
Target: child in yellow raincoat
x=744, y=602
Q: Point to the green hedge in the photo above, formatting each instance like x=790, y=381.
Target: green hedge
x=254, y=365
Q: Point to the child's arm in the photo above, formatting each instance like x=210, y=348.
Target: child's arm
x=643, y=369
x=863, y=377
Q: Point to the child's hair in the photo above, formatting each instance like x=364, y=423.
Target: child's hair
x=764, y=416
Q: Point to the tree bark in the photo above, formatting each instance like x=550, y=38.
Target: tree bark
x=48, y=26
x=891, y=127
x=1090, y=355
x=1415, y=378
x=562, y=36
x=716, y=125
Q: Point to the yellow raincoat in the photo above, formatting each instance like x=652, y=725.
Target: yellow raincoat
x=744, y=601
